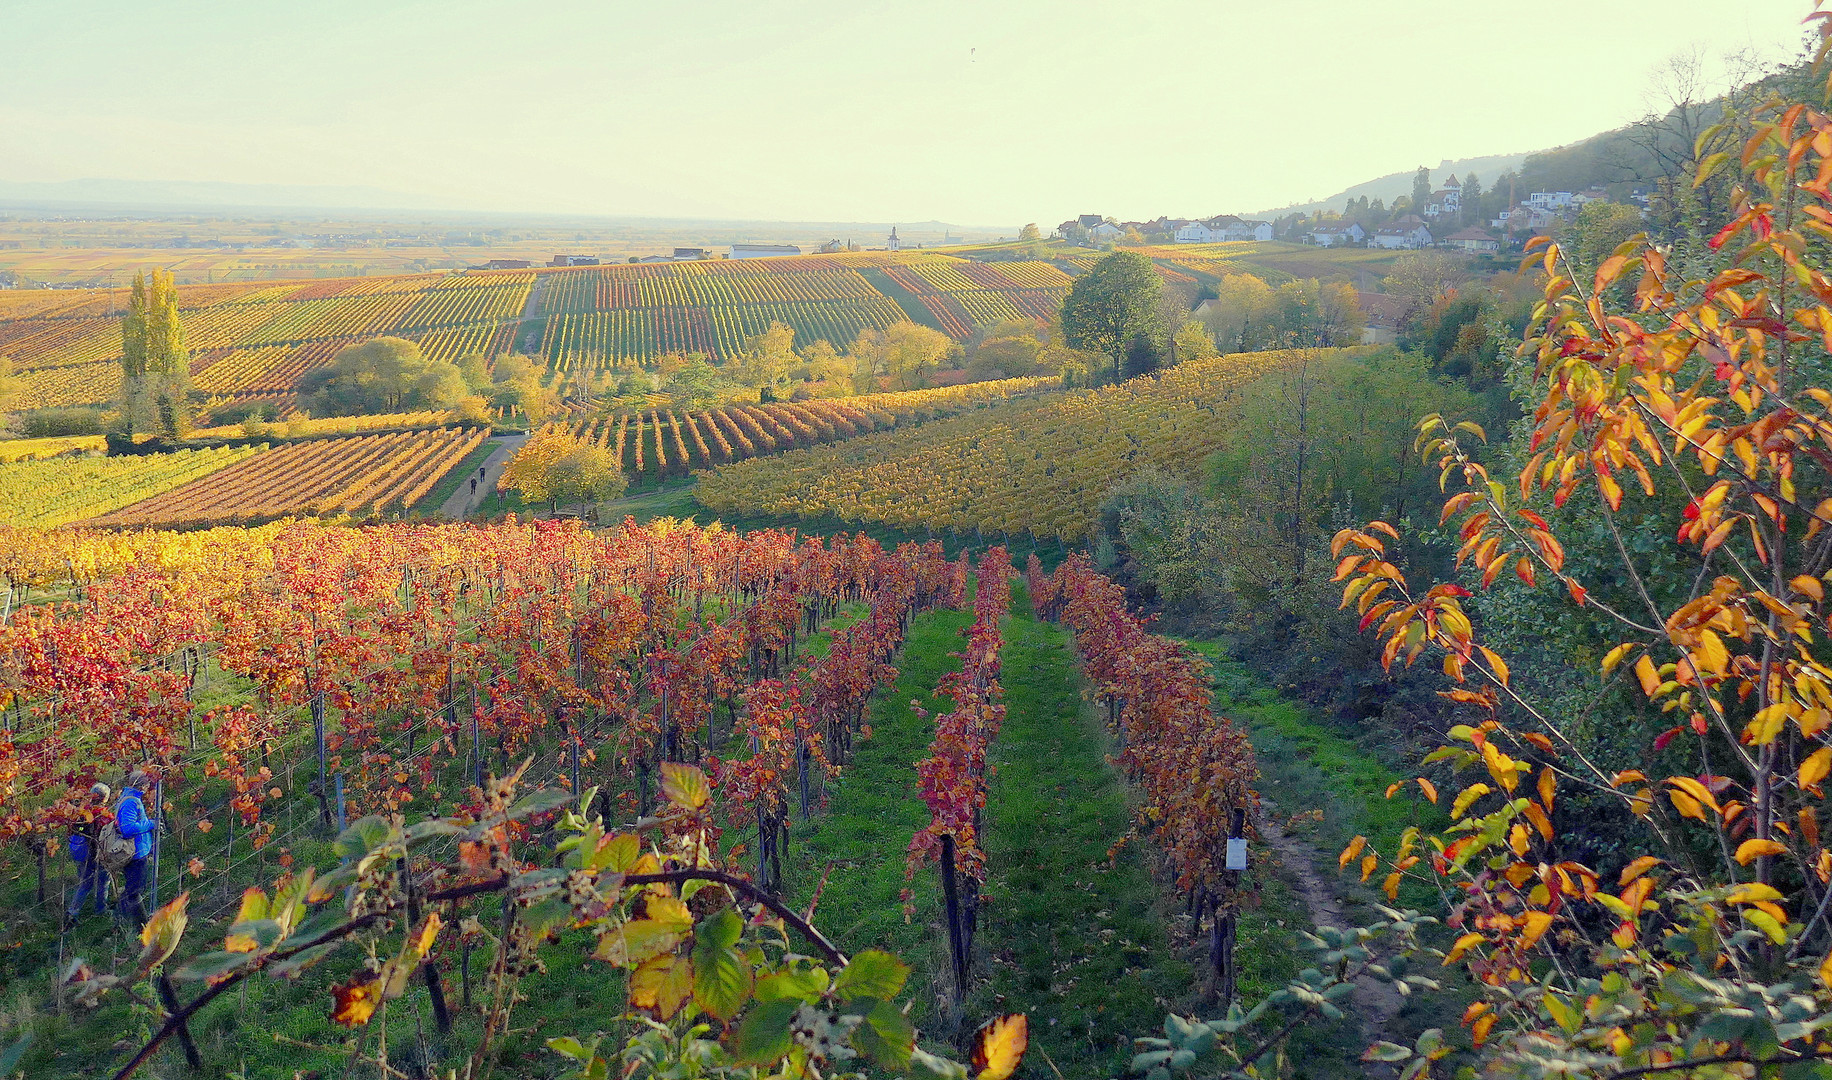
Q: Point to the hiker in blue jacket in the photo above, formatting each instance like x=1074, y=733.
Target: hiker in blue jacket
x=133, y=822
x=86, y=853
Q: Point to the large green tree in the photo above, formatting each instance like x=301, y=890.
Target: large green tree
x=586, y=474
x=385, y=375
x=1113, y=303
x=155, y=365
x=1601, y=227
x=904, y=353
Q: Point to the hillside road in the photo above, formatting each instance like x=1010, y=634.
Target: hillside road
x=464, y=500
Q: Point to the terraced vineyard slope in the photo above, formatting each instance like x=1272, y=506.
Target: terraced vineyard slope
x=663, y=441
x=353, y=476
x=254, y=340
x=1037, y=465
x=57, y=491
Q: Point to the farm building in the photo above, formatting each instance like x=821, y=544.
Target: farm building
x=762, y=251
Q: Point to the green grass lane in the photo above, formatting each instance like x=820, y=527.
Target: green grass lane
x=1067, y=934
x=858, y=842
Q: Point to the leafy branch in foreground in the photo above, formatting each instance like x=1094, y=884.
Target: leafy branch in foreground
x=1239, y=1045
x=1690, y=422
x=716, y=983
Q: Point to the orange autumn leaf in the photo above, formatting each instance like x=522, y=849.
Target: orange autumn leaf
x=354, y=1002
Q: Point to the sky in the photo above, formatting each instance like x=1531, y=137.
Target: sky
x=975, y=112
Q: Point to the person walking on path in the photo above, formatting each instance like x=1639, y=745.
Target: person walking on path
x=86, y=853
x=134, y=823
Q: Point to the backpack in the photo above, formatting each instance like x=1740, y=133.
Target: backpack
x=114, y=850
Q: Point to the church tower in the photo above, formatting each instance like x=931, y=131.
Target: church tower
x=894, y=244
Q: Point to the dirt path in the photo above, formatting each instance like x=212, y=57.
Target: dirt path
x=1375, y=1003
x=464, y=499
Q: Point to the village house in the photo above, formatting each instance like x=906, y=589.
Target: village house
x=1223, y=228
x=1406, y=234
x=690, y=254
x=574, y=260
x=1338, y=233
x=1384, y=317
x=1082, y=228
x=1524, y=218
x=1474, y=241
x=1447, y=202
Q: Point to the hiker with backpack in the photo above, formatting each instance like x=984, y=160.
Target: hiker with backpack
x=131, y=825
x=86, y=853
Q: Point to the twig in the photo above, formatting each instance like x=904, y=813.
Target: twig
x=497, y=884
x=1746, y=1059
x=1277, y=1037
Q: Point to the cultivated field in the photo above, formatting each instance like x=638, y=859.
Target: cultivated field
x=661, y=441
x=1039, y=466
x=60, y=490
x=354, y=476
x=256, y=339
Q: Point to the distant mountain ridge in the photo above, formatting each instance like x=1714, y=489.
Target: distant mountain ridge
x=208, y=194
x=1389, y=187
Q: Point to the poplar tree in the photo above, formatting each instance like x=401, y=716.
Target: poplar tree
x=155, y=366
x=133, y=359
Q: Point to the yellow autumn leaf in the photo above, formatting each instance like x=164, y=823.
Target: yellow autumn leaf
x=1686, y=805
x=1648, y=676
x=1816, y=767
x=1615, y=656
x=1350, y=853
x=354, y=1002
x=1467, y=796
x=1753, y=892
x=1537, y=922
x=662, y=984
x=999, y=1045
x=1463, y=945
x=1751, y=850
x=1699, y=793
x=1637, y=868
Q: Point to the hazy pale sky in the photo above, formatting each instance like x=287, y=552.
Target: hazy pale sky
x=981, y=112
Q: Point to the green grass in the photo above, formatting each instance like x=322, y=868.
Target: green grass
x=1080, y=941
x=1075, y=938
x=858, y=842
x=1327, y=789
x=1307, y=764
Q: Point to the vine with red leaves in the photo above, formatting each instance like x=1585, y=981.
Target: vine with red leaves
x=952, y=779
